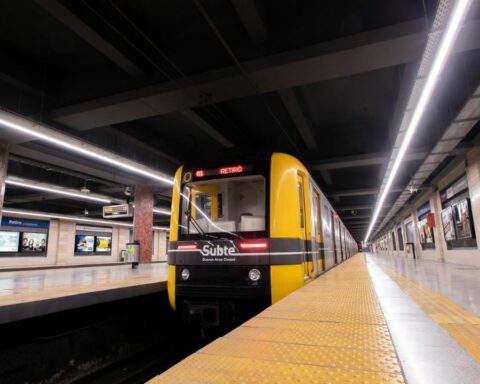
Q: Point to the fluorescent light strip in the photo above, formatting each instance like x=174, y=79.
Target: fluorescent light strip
x=74, y=218
x=56, y=191
x=158, y=228
x=72, y=194
x=79, y=149
x=162, y=211
x=438, y=64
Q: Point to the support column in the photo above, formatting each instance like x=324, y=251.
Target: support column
x=3, y=172
x=473, y=177
x=143, y=221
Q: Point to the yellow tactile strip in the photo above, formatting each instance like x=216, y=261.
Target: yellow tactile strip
x=460, y=324
x=331, y=331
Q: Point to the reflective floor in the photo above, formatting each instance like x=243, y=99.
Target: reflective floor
x=41, y=286
x=427, y=353
x=458, y=283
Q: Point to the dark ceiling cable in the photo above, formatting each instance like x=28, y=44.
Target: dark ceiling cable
x=152, y=62
x=116, y=30
x=150, y=41
x=245, y=74
x=175, y=67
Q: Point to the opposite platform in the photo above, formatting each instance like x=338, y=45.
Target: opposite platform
x=27, y=294
x=354, y=324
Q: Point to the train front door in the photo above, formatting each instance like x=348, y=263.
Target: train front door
x=334, y=237
x=316, y=233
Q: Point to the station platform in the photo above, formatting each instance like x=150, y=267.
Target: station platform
x=361, y=322
x=32, y=293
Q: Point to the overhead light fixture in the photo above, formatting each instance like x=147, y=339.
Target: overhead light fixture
x=31, y=184
x=38, y=187
x=72, y=144
x=438, y=64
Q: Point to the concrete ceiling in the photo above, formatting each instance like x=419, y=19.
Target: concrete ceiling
x=169, y=82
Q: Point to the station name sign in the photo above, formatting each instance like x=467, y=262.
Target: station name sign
x=116, y=211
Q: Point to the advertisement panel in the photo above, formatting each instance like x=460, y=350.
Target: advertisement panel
x=103, y=244
x=462, y=220
x=425, y=232
x=34, y=242
x=84, y=243
x=448, y=224
x=9, y=241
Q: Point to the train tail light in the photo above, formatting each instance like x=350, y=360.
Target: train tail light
x=186, y=247
x=254, y=245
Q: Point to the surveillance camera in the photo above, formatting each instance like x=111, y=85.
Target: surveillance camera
x=413, y=190
x=128, y=191
x=84, y=189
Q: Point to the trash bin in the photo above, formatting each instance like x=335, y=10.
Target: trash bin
x=132, y=253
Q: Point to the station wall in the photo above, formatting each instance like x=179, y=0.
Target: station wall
x=441, y=249
x=61, y=247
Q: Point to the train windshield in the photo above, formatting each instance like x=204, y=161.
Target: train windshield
x=227, y=207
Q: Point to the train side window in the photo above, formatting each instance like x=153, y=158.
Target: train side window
x=301, y=201
x=326, y=220
x=316, y=207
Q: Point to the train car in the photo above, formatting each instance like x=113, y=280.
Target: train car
x=245, y=234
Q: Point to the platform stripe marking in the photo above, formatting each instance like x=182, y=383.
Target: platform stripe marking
x=330, y=331
x=460, y=324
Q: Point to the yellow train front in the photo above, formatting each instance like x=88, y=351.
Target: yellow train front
x=245, y=234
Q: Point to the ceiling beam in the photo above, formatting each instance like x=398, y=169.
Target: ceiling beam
x=290, y=101
x=361, y=192
x=30, y=197
x=364, y=52
x=252, y=22
x=206, y=128
x=65, y=16
x=357, y=207
x=361, y=160
x=62, y=189
x=368, y=51
x=355, y=217
x=47, y=158
x=21, y=85
x=140, y=144
x=62, y=171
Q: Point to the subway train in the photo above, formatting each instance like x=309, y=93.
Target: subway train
x=245, y=234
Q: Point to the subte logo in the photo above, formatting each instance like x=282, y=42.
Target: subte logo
x=217, y=250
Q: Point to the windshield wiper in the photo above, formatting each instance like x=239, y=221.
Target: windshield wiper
x=197, y=226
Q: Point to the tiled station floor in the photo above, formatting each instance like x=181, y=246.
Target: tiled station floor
x=456, y=282
x=358, y=323
x=26, y=294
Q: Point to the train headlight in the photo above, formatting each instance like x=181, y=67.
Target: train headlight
x=185, y=274
x=254, y=274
